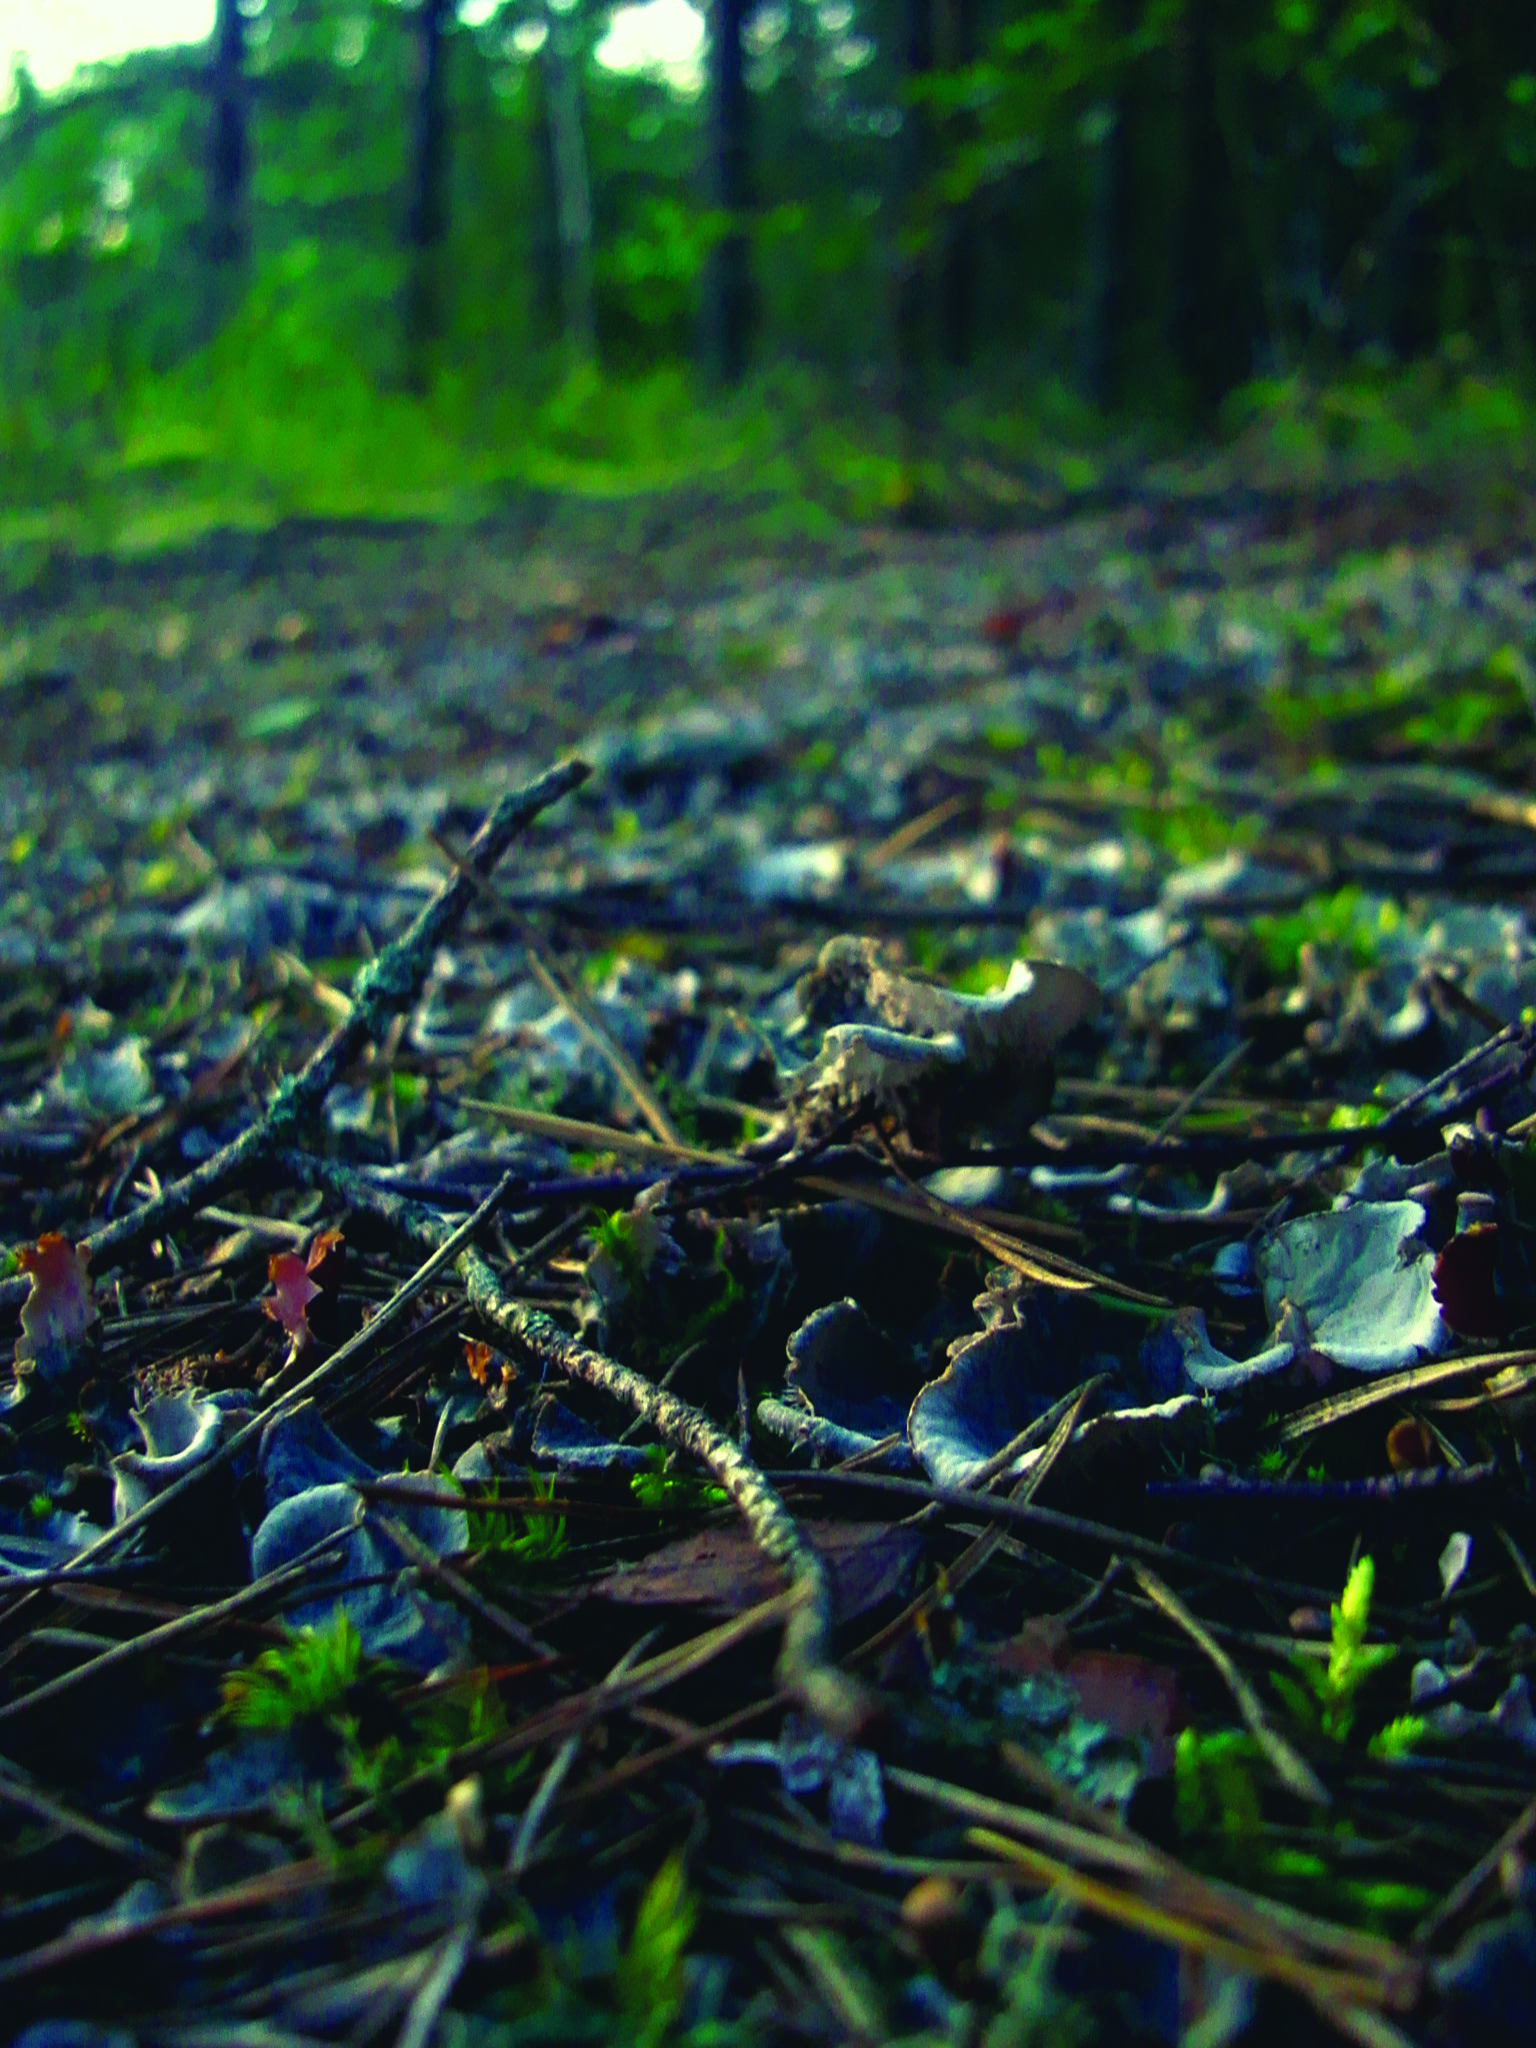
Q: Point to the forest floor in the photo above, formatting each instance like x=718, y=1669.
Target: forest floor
x=1076, y=1582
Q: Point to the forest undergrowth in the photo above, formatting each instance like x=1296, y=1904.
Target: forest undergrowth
x=856, y=1368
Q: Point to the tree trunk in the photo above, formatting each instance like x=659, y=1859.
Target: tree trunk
x=1201, y=320
x=228, y=149
x=913, y=322
x=1111, y=230
x=957, y=283
x=427, y=226
x=573, y=190
x=729, y=304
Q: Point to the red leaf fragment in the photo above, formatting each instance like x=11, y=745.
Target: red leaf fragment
x=1004, y=626
x=1466, y=1281
x=1132, y=1696
x=59, y=1310
x=292, y=1292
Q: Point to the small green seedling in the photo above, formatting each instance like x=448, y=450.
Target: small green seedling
x=649, y=1982
x=658, y=1489
x=1326, y=1698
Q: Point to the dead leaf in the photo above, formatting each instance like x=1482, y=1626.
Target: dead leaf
x=1133, y=1697
x=724, y=1572
x=1466, y=1281
x=292, y=1292
x=59, y=1310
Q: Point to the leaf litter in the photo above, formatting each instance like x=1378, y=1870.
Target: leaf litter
x=853, y=1371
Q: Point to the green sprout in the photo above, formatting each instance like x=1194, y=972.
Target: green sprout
x=1326, y=1701
x=649, y=1981
x=1399, y=1738
x=540, y=1540
x=658, y=1489
x=306, y=1678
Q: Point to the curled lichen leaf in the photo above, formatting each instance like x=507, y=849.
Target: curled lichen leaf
x=943, y=1063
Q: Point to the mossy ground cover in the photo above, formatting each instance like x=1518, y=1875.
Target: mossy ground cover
x=1256, y=759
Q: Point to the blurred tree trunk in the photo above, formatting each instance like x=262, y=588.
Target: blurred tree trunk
x=228, y=149
x=1209, y=298
x=427, y=229
x=728, y=285
x=1111, y=232
x=913, y=297
x=573, y=189
x=956, y=42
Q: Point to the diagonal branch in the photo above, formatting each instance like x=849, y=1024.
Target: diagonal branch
x=382, y=989
x=839, y=1702
x=806, y=1668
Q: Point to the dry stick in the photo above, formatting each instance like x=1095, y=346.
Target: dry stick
x=1293, y=1770
x=1417, y=1379
x=570, y=1716
x=995, y=1507
x=1065, y=1416
x=1047, y=1268
x=805, y=1661
x=650, y=1760
x=390, y=1313
x=92, y=1937
x=426, y=1559
x=1328, y=1989
x=1400, y=1113
x=1458, y=1463
x=573, y=1130
x=1248, y=1915
x=906, y=836
x=381, y=989
x=41, y=1806
x=556, y=1773
x=1191, y=1101
x=191, y=1623
x=426, y=2008
x=590, y=1026
x=1464, y=1893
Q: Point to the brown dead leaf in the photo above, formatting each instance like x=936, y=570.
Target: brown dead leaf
x=723, y=1571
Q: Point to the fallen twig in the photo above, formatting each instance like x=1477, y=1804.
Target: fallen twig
x=805, y=1663
x=1292, y=1769
x=381, y=989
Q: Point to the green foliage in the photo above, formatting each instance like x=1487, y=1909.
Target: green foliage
x=153, y=397
x=1034, y=2012
x=306, y=1678
x=438, y=1723
x=1350, y=920
x=540, y=1541
x=1216, y=1783
x=1399, y=1738
x=660, y=1490
x=649, y=1981
x=1326, y=1697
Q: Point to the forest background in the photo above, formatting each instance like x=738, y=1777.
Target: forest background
x=864, y=258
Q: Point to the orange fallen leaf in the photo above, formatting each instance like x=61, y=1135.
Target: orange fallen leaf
x=292, y=1292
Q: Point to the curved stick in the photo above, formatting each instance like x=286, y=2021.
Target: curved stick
x=805, y=1667
x=380, y=990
